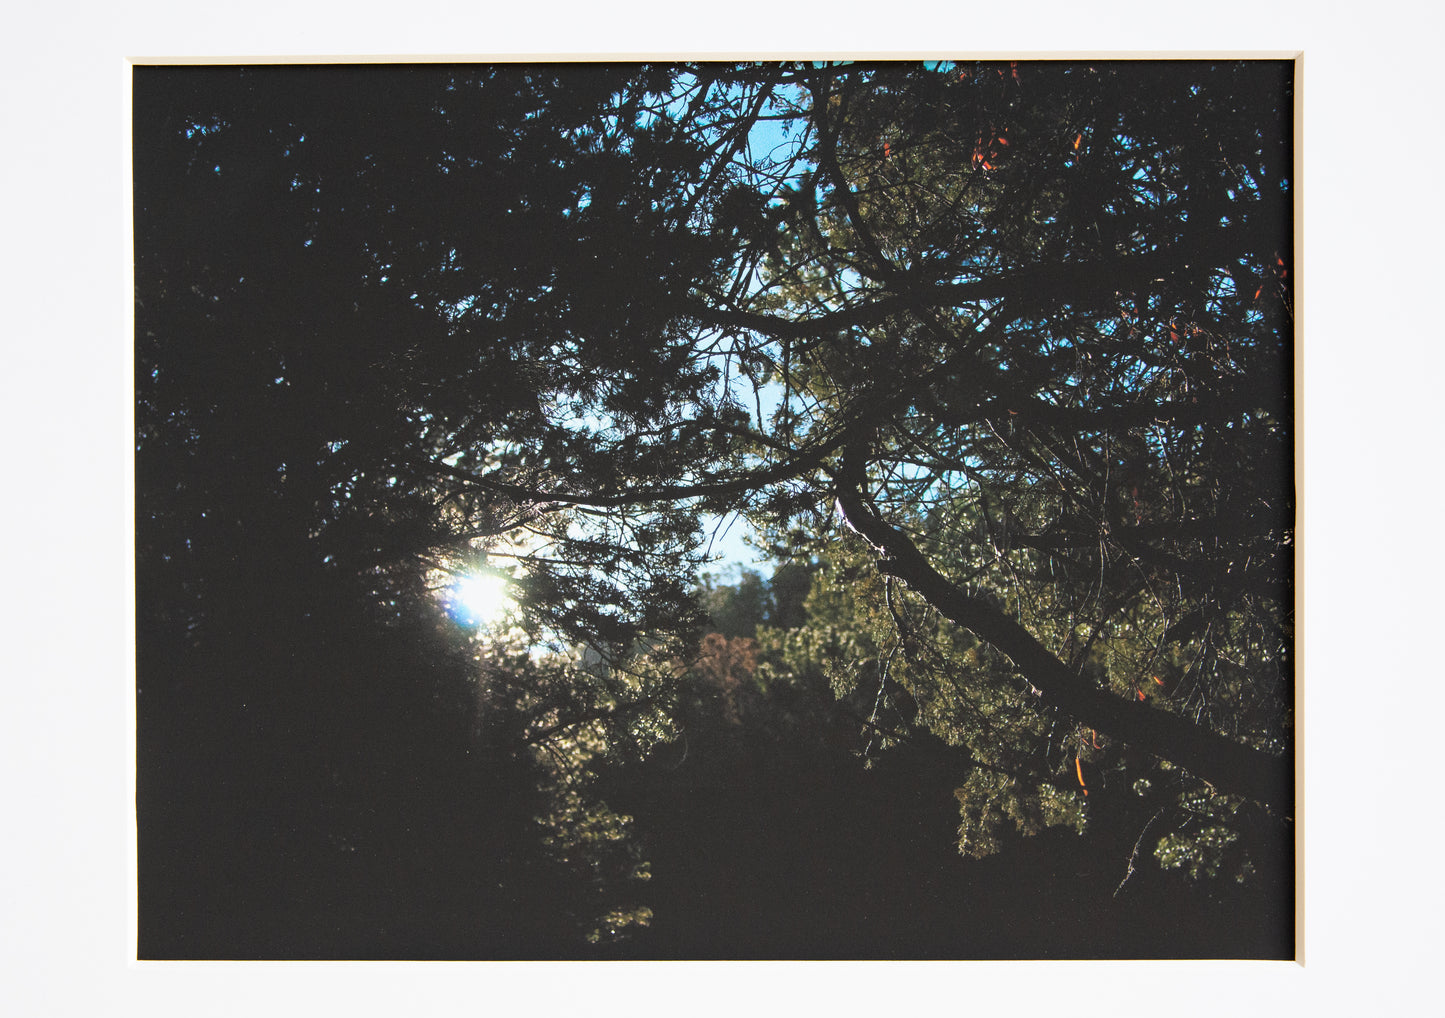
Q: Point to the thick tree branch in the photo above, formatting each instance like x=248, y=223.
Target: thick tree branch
x=1229, y=766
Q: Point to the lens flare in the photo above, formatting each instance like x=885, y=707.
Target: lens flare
x=479, y=599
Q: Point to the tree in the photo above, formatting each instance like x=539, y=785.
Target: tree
x=308, y=382
x=422, y=359
x=1041, y=313
x=735, y=610
x=1004, y=345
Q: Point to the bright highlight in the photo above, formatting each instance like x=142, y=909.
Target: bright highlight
x=479, y=599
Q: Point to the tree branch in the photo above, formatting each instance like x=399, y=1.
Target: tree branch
x=802, y=462
x=1228, y=765
x=1037, y=284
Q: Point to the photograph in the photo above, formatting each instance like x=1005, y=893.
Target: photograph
x=604, y=510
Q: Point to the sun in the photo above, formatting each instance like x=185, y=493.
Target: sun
x=479, y=598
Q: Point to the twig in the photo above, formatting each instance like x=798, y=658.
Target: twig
x=1134, y=855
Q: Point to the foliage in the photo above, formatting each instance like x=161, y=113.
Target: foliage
x=1042, y=311
x=352, y=325
x=736, y=609
x=351, y=337
x=565, y=713
x=995, y=355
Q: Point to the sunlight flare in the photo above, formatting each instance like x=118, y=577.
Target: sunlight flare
x=479, y=598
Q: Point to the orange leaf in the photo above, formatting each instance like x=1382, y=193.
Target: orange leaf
x=886, y=150
x=1080, y=768
x=1158, y=681
x=1140, y=692
x=1078, y=139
